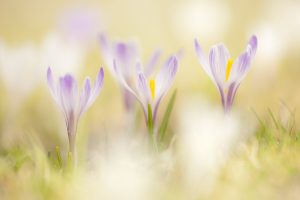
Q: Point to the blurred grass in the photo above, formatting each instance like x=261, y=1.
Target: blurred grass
x=267, y=166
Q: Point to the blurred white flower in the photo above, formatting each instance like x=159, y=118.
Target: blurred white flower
x=23, y=67
x=60, y=54
x=206, y=139
x=17, y=65
x=125, y=171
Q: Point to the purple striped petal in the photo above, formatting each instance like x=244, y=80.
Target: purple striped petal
x=51, y=83
x=84, y=96
x=230, y=95
x=164, y=81
x=165, y=77
x=68, y=93
x=144, y=92
x=88, y=94
x=203, y=59
x=252, y=46
x=218, y=58
x=120, y=77
x=122, y=52
x=123, y=82
x=143, y=87
x=239, y=70
x=240, y=67
x=152, y=62
x=125, y=55
x=138, y=67
x=97, y=85
x=242, y=64
x=222, y=94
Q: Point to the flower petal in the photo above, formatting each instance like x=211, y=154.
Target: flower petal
x=121, y=52
x=240, y=67
x=84, y=96
x=125, y=55
x=166, y=76
x=97, y=86
x=230, y=95
x=143, y=87
x=68, y=92
x=203, y=59
x=242, y=63
x=88, y=94
x=252, y=46
x=51, y=84
x=164, y=81
x=152, y=62
x=218, y=58
x=123, y=82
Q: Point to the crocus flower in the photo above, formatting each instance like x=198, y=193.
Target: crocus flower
x=80, y=24
x=65, y=93
x=125, y=55
x=150, y=91
x=226, y=73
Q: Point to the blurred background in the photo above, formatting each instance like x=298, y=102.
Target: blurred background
x=64, y=35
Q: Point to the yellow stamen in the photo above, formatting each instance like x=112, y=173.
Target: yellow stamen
x=228, y=68
x=152, y=87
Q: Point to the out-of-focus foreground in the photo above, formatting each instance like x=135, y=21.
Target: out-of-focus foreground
x=253, y=153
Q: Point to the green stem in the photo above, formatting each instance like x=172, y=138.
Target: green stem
x=150, y=125
x=150, y=121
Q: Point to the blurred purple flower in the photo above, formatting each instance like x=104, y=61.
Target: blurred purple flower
x=224, y=72
x=150, y=91
x=81, y=24
x=125, y=56
x=65, y=93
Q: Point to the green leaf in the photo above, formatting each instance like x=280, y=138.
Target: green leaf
x=150, y=120
x=58, y=155
x=164, y=125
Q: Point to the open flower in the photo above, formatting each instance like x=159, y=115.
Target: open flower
x=150, y=91
x=125, y=55
x=226, y=73
x=65, y=93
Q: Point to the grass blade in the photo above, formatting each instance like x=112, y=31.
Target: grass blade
x=164, y=125
x=58, y=155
